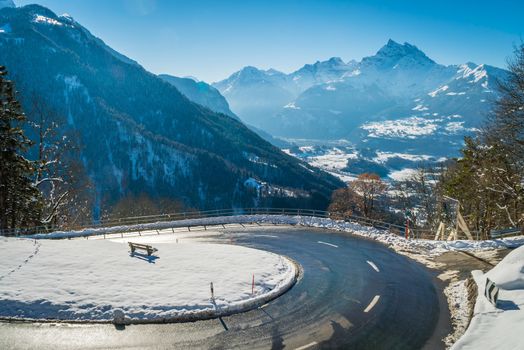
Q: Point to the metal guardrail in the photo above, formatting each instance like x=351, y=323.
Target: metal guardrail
x=505, y=232
x=137, y=220
x=131, y=221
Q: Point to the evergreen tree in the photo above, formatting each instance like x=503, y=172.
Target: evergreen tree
x=20, y=201
x=507, y=122
x=489, y=179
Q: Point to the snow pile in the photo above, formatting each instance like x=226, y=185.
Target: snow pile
x=395, y=241
x=498, y=327
x=457, y=295
x=90, y=280
x=510, y=274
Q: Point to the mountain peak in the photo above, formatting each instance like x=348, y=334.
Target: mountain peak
x=250, y=69
x=393, y=52
x=392, y=43
x=6, y=3
x=336, y=61
x=392, y=48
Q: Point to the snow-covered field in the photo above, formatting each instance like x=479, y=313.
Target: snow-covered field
x=498, y=327
x=90, y=279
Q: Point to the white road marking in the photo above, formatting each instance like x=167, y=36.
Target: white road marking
x=332, y=245
x=372, y=264
x=372, y=304
x=307, y=346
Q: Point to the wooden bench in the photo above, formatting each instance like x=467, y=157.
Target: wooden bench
x=149, y=249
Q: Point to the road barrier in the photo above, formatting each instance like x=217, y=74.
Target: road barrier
x=505, y=232
x=491, y=292
x=133, y=223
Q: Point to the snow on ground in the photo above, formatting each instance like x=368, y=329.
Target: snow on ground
x=410, y=128
x=335, y=158
x=46, y=20
x=384, y=157
x=457, y=296
x=90, y=279
x=402, y=175
x=498, y=327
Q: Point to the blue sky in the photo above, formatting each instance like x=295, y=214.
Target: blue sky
x=210, y=39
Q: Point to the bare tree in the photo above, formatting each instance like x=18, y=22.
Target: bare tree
x=343, y=203
x=59, y=175
x=369, y=188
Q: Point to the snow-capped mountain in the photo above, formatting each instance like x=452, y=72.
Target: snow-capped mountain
x=253, y=94
x=140, y=134
x=398, y=98
x=321, y=72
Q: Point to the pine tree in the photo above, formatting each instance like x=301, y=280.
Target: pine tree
x=507, y=122
x=20, y=201
x=489, y=179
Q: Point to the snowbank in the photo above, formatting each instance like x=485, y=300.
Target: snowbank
x=399, y=242
x=498, y=327
x=88, y=280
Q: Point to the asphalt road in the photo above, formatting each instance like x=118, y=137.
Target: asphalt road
x=352, y=294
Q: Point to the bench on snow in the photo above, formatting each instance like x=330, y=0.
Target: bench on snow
x=149, y=249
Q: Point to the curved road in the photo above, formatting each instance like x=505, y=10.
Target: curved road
x=353, y=294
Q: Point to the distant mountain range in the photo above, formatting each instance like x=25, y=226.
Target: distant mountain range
x=204, y=94
x=201, y=93
x=397, y=100
x=140, y=134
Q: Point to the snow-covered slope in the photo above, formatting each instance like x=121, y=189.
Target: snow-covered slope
x=254, y=94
